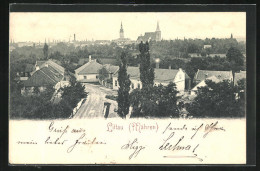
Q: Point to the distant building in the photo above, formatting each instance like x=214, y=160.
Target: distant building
x=155, y=36
x=194, y=55
x=122, y=40
x=162, y=76
x=121, y=32
x=207, y=46
x=88, y=72
x=221, y=55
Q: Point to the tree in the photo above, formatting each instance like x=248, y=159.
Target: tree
x=124, y=88
x=236, y=58
x=221, y=99
x=45, y=51
x=157, y=101
x=146, y=71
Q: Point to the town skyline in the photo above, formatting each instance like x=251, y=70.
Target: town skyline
x=38, y=27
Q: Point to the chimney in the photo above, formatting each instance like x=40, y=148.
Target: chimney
x=170, y=66
x=74, y=37
x=89, y=58
x=157, y=65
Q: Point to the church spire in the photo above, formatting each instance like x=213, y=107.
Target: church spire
x=121, y=31
x=158, y=28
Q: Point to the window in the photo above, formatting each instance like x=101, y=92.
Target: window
x=85, y=77
x=96, y=76
x=116, y=83
x=138, y=85
x=133, y=86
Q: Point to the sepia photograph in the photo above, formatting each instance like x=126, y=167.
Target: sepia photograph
x=127, y=87
x=127, y=65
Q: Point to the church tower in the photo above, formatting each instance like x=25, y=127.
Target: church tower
x=121, y=31
x=158, y=33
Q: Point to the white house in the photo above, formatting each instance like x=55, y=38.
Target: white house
x=162, y=76
x=88, y=72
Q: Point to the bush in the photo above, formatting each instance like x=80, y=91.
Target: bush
x=218, y=100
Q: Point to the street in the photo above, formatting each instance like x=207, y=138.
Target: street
x=94, y=105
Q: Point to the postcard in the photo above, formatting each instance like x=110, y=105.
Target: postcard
x=127, y=88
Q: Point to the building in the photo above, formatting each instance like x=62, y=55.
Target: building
x=162, y=76
x=203, y=74
x=122, y=40
x=88, y=72
x=216, y=76
x=239, y=76
x=121, y=32
x=46, y=74
x=154, y=36
x=206, y=46
x=106, y=75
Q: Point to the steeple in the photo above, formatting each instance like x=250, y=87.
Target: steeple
x=121, y=31
x=158, y=28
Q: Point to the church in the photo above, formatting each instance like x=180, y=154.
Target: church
x=122, y=40
x=155, y=36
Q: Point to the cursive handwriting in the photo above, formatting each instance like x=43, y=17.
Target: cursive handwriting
x=85, y=141
x=133, y=146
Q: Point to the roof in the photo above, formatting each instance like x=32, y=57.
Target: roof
x=238, y=76
x=40, y=63
x=161, y=75
x=203, y=74
x=44, y=77
x=91, y=67
x=54, y=65
x=111, y=68
x=147, y=36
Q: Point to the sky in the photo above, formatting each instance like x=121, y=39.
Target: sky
x=105, y=26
